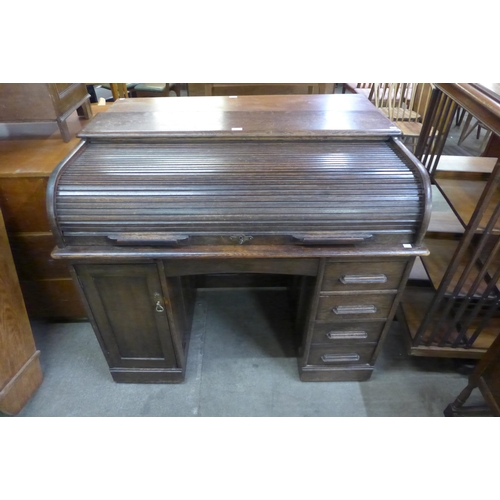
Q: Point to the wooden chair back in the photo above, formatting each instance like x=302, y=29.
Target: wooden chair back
x=119, y=90
x=402, y=101
x=268, y=88
x=435, y=129
x=357, y=88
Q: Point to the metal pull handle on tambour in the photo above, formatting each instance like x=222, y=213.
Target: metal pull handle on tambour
x=150, y=239
x=339, y=358
x=356, y=309
x=331, y=239
x=361, y=279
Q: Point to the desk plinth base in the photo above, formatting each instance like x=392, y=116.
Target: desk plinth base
x=147, y=376
x=335, y=374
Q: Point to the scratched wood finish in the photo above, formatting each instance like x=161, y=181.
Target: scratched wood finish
x=20, y=373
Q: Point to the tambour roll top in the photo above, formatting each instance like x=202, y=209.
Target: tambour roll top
x=226, y=189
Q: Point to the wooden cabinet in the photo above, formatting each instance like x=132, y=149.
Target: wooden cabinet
x=43, y=102
x=152, y=199
x=20, y=373
x=26, y=162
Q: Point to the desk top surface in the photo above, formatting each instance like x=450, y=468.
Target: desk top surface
x=34, y=149
x=242, y=116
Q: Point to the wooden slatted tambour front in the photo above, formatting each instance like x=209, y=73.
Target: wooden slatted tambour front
x=279, y=189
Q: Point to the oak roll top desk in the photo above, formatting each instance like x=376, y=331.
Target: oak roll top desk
x=318, y=187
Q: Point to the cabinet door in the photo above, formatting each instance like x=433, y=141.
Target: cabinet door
x=129, y=314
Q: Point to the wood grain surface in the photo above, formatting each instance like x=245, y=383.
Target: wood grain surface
x=20, y=373
x=260, y=116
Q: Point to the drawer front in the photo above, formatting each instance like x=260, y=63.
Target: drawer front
x=347, y=333
x=338, y=356
x=356, y=306
x=346, y=276
x=31, y=254
x=54, y=299
x=23, y=204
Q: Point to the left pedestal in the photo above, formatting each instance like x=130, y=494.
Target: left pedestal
x=141, y=319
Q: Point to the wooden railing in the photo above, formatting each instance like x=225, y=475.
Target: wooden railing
x=458, y=315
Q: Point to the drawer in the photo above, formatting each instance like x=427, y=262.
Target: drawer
x=367, y=306
x=53, y=299
x=23, y=204
x=337, y=356
x=347, y=333
x=31, y=254
x=363, y=275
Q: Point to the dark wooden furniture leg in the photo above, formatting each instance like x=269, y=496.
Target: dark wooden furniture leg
x=456, y=409
x=86, y=110
x=64, y=129
x=486, y=378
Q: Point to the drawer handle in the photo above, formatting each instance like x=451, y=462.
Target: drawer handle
x=360, y=279
x=333, y=239
x=359, y=309
x=339, y=358
x=333, y=335
x=150, y=239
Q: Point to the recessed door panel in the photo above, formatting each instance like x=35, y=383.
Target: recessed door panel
x=129, y=310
